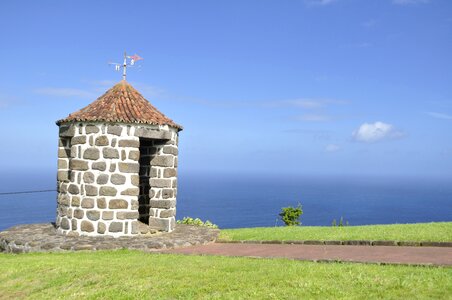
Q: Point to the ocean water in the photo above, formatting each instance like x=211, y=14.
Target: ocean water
x=233, y=201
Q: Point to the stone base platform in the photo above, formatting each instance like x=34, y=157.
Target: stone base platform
x=44, y=238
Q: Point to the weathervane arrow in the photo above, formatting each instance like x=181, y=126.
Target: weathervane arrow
x=132, y=60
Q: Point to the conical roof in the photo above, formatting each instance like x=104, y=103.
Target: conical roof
x=121, y=104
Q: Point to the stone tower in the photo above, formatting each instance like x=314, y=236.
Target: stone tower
x=117, y=167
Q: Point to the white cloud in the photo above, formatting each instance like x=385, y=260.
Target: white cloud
x=375, y=132
x=439, y=115
x=65, y=92
x=332, y=148
x=408, y=2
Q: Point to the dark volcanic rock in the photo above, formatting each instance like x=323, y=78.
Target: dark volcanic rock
x=44, y=238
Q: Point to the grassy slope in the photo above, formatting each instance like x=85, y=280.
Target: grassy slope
x=440, y=232
x=137, y=275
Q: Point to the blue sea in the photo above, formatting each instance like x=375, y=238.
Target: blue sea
x=240, y=200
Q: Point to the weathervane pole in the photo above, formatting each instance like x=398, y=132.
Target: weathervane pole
x=133, y=59
x=124, y=67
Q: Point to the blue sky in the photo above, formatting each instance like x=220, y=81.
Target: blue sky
x=353, y=87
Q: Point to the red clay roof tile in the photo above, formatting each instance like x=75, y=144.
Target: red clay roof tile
x=122, y=103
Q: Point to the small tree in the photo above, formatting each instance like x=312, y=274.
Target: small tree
x=291, y=215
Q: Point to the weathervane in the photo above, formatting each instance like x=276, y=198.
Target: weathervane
x=134, y=58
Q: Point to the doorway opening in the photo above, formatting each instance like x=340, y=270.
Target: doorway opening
x=146, y=153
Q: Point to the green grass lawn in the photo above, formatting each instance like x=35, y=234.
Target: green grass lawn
x=137, y=275
x=437, y=232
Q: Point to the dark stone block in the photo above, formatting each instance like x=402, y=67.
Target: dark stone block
x=107, y=215
x=169, y=172
x=129, y=167
x=107, y=191
x=162, y=203
x=101, y=166
x=87, y=226
x=160, y=183
x=118, y=179
x=88, y=203
x=113, y=129
x=167, y=213
x=79, y=213
x=159, y=223
x=93, y=215
x=81, y=139
x=73, y=189
x=313, y=242
x=131, y=192
x=75, y=201
x=88, y=177
x=63, y=153
x=409, y=243
x=91, y=190
x=292, y=242
x=91, y=129
x=63, y=199
x=91, y=153
x=384, y=243
x=62, y=164
x=129, y=143
x=115, y=227
x=272, y=242
x=134, y=155
x=102, y=179
x=135, y=180
x=102, y=141
x=118, y=204
x=78, y=165
x=74, y=224
x=110, y=153
x=66, y=131
x=152, y=133
x=133, y=215
x=167, y=193
x=162, y=161
x=65, y=224
x=357, y=243
x=101, y=228
x=170, y=150
x=333, y=242
x=101, y=203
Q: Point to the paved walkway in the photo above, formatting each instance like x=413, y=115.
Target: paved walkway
x=438, y=256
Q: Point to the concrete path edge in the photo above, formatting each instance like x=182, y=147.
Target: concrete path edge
x=337, y=242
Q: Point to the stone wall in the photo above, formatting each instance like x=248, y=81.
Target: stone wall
x=99, y=178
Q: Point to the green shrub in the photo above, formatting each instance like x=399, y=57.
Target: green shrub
x=291, y=215
x=341, y=223
x=196, y=222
